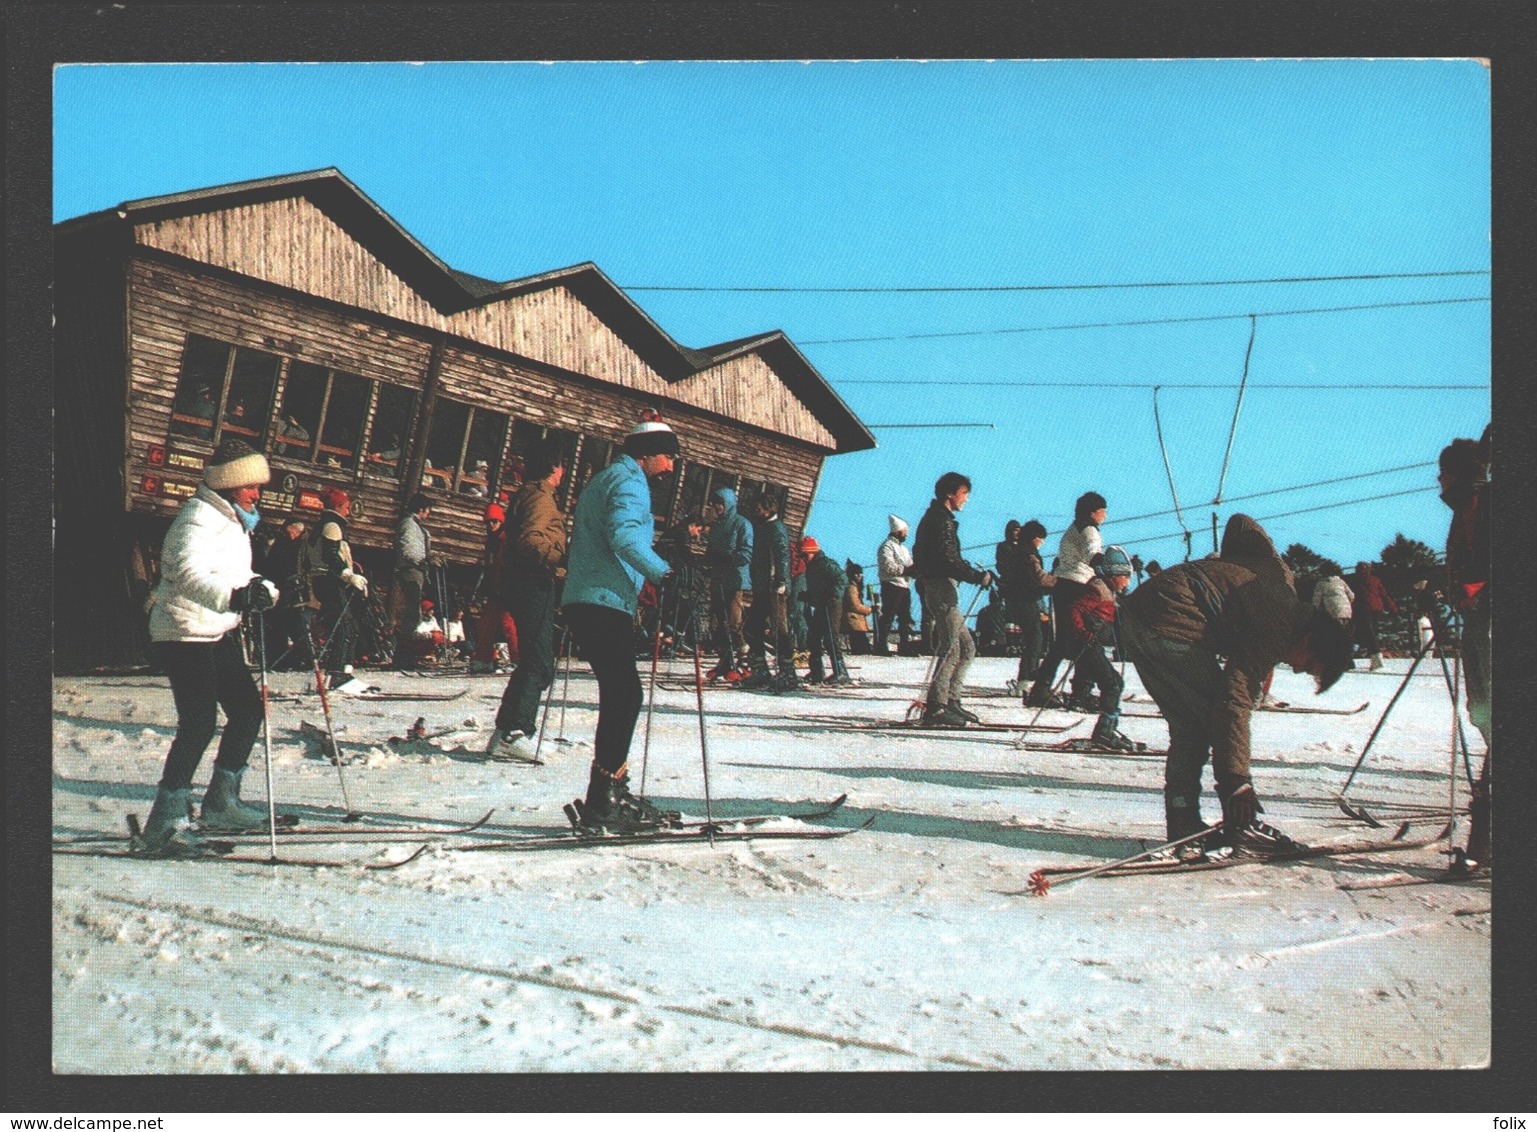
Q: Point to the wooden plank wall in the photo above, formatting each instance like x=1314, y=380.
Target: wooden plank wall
x=530, y=395
x=167, y=302
x=294, y=244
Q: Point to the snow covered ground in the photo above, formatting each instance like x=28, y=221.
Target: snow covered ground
x=895, y=948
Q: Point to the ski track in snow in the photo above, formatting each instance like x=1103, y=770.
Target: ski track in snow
x=889, y=950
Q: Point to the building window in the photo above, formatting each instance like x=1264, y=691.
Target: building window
x=322, y=416
x=595, y=455
x=464, y=449
x=696, y=491
x=223, y=390
x=527, y=434
x=390, y=432
x=753, y=490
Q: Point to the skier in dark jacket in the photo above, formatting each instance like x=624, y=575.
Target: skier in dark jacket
x=769, y=612
x=533, y=561
x=825, y=585
x=730, y=560
x=340, y=587
x=1465, y=489
x=1204, y=636
x=938, y=564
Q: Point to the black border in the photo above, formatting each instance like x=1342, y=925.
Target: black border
x=39, y=36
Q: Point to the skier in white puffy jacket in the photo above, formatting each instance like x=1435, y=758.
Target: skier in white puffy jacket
x=893, y=564
x=206, y=582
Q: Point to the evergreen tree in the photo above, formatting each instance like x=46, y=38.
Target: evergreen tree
x=1302, y=560
x=1408, y=554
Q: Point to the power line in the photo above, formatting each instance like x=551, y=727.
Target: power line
x=1016, y=288
x=1138, y=322
x=1143, y=385
x=1265, y=518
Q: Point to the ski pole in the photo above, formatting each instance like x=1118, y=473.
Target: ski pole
x=565, y=694
x=336, y=752
x=1453, y=678
x=272, y=812
x=1055, y=688
x=656, y=653
x=1403, y=684
x=834, y=650
x=704, y=749
x=549, y=691
x=1039, y=885
x=320, y=654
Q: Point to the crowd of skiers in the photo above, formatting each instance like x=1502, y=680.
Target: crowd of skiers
x=1204, y=635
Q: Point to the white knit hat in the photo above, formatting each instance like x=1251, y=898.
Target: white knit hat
x=898, y=524
x=651, y=438
x=236, y=464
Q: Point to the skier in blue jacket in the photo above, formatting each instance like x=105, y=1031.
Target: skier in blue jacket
x=729, y=557
x=609, y=558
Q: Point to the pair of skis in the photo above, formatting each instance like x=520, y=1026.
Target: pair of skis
x=377, y=695
x=1157, y=860
x=229, y=848
x=1282, y=708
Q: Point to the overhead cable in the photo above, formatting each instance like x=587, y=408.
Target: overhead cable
x=1145, y=385
x=1136, y=322
x=1024, y=287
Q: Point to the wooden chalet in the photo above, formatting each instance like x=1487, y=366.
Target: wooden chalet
x=295, y=313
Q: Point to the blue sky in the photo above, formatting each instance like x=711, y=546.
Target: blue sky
x=1023, y=196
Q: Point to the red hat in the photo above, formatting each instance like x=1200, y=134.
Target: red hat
x=334, y=498
x=810, y=545
x=495, y=511
x=427, y=604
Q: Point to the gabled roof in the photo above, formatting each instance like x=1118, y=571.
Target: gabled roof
x=451, y=292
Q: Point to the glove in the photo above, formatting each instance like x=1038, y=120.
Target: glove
x=256, y=595
x=987, y=579
x=356, y=581
x=1240, y=804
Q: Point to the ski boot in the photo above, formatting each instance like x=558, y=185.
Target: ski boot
x=223, y=811
x=511, y=746
x=956, y=708
x=1107, y=738
x=1040, y=696
x=168, y=832
x=1084, y=703
x=1182, y=819
x=787, y=681
x=611, y=807
x=758, y=675
x=1243, y=832
x=942, y=715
